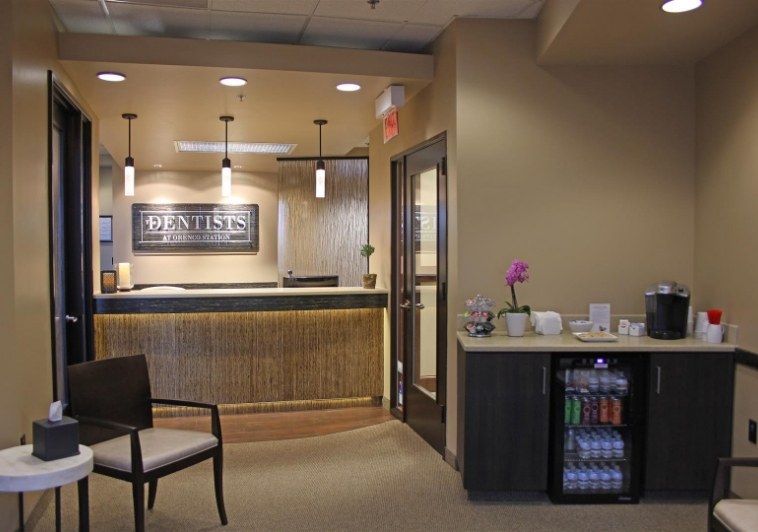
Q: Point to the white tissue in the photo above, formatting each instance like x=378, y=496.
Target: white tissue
x=547, y=322
x=55, y=413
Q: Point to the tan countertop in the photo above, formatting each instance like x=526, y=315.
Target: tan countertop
x=567, y=343
x=173, y=292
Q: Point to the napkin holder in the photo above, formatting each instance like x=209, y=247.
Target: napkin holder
x=55, y=437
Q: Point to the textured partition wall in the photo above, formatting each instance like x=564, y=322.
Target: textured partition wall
x=252, y=357
x=320, y=236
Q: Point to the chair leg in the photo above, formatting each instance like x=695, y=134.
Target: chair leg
x=138, y=494
x=218, y=484
x=151, y=492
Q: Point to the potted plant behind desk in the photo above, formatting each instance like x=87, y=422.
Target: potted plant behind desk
x=515, y=315
x=369, y=279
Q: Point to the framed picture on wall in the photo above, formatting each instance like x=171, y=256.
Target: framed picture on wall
x=106, y=229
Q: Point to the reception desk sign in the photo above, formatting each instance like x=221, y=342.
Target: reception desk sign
x=194, y=227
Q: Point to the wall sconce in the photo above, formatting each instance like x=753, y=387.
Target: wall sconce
x=320, y=165
x=226, y=164
x=129, y=163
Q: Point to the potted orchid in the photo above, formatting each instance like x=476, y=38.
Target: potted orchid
x=515, y=315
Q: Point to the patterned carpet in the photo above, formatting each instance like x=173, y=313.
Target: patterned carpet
x=382, y=477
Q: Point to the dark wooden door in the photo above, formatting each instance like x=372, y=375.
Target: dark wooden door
x=689, y=419
x=420, y=283
x=70, y=234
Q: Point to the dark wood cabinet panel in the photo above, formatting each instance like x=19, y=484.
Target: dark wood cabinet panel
x=503, y=420
x=689, y=419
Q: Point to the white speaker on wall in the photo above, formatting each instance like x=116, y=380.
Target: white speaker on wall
x=393, y=97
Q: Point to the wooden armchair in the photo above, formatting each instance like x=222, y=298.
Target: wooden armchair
x=725, y=514
x=111, y=399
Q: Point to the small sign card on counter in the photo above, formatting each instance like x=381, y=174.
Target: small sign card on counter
x=600, y=316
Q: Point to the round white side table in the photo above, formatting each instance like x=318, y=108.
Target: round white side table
x=20, y=471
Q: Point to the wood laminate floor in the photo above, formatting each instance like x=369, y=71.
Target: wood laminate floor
x=237, y=428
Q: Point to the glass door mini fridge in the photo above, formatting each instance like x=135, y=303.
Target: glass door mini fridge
x=596, y=428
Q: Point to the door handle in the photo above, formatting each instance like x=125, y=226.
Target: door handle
x=658, y=380
x=71, y=319
x=544, y=380
x=407, y=305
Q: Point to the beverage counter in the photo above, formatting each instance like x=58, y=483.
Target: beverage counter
x=250, y=350
x=512, y=397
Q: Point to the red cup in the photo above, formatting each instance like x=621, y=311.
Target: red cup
x=714, y=316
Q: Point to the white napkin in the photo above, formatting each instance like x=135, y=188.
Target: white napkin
x=547, y=322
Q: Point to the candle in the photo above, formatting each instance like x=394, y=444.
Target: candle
x=125, y=276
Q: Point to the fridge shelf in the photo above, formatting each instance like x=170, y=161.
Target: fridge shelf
x=597, y=426
x=599, y=394
x=574, y=457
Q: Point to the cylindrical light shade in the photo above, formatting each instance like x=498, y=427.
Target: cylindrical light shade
x=320, y=179
x=226, y=177
x=129, y=177
x=124, y=270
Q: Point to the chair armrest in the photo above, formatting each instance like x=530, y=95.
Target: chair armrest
x=721, y=479
x=215, y=420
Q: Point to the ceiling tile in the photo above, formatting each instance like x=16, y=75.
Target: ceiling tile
x=443, y=12
x=287, y=7
x=184, y=4
x=412, y=38
x=131, y=19
x=279, y=29
x=82, y=16
x=322, y=31
x=385, y=11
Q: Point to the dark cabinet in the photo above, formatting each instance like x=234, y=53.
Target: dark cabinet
x=503, y=420
x=689, y=419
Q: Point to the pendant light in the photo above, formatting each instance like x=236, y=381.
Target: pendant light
x=129, y=162
x=320, y=166
x=226, y=164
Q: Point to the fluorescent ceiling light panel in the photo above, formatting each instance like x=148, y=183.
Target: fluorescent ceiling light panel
x=265, y=148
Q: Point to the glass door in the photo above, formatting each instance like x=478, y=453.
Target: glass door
x=419, y=280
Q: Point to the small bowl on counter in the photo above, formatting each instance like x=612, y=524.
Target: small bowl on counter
x=577, y=326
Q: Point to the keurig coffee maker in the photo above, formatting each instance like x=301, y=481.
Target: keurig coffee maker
x=666, y=307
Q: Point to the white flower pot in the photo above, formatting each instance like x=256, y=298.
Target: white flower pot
x=516, y=322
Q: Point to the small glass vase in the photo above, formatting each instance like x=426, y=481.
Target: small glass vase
x=516, y=323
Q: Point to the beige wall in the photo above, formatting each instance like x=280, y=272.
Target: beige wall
x=585, y=172
x=726, y=258
x=27, y=51
x=197, y=187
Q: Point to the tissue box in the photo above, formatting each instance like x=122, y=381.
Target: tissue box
x=55, y=440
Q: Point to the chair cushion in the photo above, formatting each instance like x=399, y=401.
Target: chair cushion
x=737, y=514
x=159, y=448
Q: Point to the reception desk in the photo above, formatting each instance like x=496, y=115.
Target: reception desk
x=251, y=350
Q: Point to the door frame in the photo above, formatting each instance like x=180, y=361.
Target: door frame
x=398, y=177
x=75, y=196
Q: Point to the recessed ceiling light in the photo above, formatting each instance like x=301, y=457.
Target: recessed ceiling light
x=233, y=81
x=348, y=87
x=111, y=76
x=157, y=165
x=267, y=148
x=681, y=6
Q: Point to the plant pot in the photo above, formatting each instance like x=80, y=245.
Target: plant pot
x=369, y=280
x=516, y=322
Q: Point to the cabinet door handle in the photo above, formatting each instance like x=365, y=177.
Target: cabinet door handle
x=658, y=380
x=544, y=380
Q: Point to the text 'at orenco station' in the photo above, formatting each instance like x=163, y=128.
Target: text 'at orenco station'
x=201, y=227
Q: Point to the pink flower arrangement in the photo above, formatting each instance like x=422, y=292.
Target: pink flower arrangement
x=518, y=272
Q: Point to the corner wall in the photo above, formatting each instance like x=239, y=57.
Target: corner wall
x=27, y=52
x=726, y=257
x=586, y=173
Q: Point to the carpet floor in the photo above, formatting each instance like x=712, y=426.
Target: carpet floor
x=383, y=477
